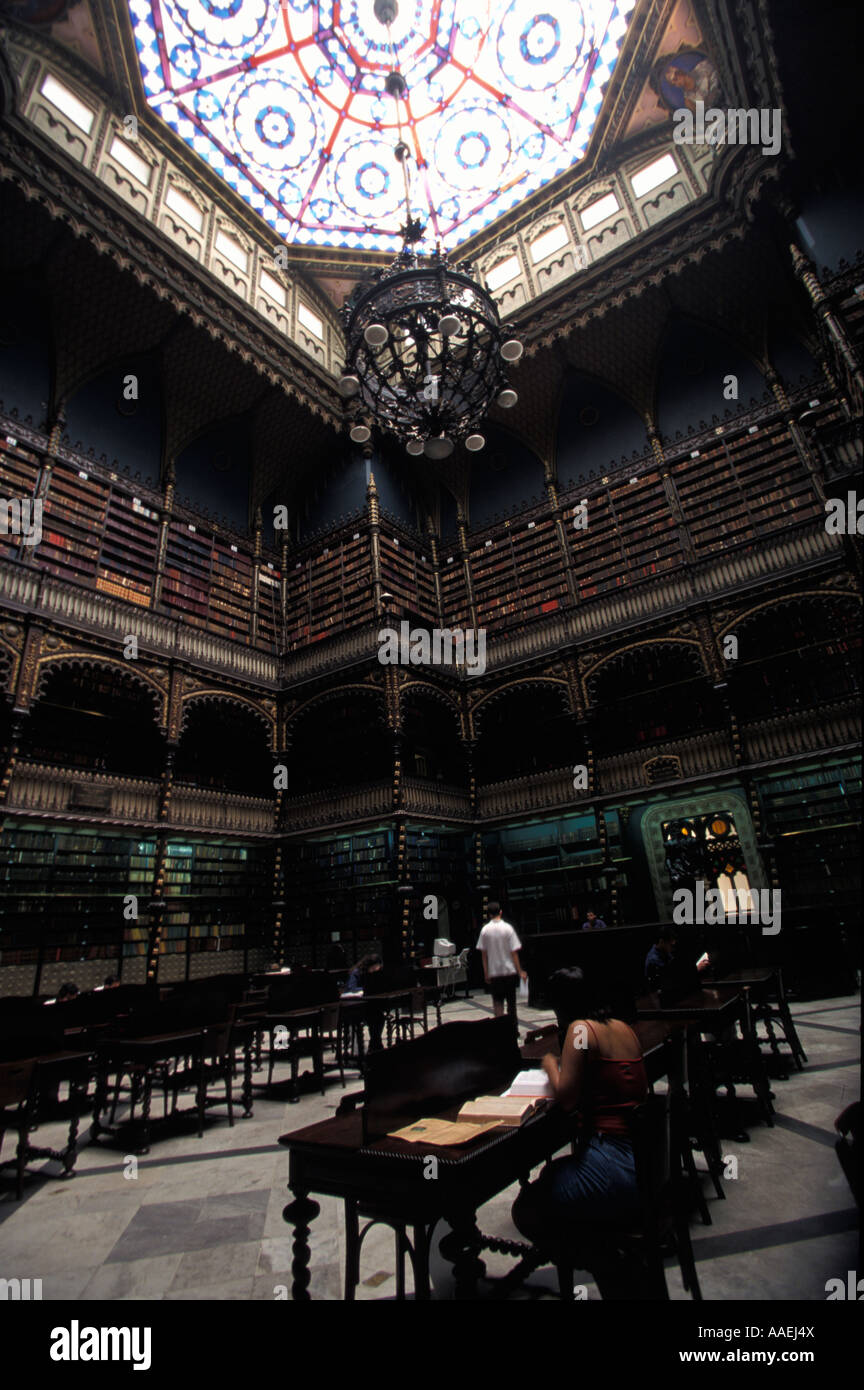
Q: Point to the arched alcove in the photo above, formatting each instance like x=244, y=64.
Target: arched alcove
x=119, y=413
x=596, y=428
x=214, y=470
x=224, y=746
x=649, y=694
x=522, y=731
x=326, y=752
x=791, y=360
x=503, y=474
x=96, y=717
x=26, y=350
x=431, y=748
x=798, y=654
x=694, y=366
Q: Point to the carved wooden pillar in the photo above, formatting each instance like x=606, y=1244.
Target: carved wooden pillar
x=835, y=332
x=281, y=755
x=257, y=555
x=560, y=531
x=13, y=748
x=797, y=435
x=164, y=522
x=462, y=529
x=157, y=904
x=672, y=499
x=435, y=556
x=284, y=551
x=374, y=543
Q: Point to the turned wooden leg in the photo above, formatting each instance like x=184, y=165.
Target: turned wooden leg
x=300, y=1213
x=461, y=1248
x=247, y=1080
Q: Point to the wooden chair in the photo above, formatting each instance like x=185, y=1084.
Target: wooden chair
x=329, y=1026
x=16, y=1095
x=771, y=1010
x=408, y=1011
x=663, y=1214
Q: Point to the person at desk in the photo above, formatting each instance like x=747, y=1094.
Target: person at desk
x=500, y=947
x=593, y=922
x=602, y=1074
x=663, y=969
x=374, y=1013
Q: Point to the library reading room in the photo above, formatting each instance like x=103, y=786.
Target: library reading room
x=430, y=568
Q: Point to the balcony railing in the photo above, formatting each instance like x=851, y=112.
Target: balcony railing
x=42, y=790
x=85, y=610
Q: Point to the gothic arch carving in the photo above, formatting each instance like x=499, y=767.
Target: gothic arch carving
x=590, y=673
x=227, y=697
x=524, y=682
x=820, y=596
x=327, y=696
x=86, y=660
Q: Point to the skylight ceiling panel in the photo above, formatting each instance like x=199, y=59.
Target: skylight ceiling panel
x=290, y=97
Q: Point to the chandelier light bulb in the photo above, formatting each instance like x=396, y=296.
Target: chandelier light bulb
x=349, y=385
x=414, y=447
x=448, y=324
x=376, y=335
x=511, y=350
x=474, y=442
x=439, y=448
x=507, y=399
x=360, y=433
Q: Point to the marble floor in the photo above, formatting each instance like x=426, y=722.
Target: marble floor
x=202, y=1218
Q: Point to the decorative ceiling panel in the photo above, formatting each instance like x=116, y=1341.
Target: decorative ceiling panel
x=286, y=102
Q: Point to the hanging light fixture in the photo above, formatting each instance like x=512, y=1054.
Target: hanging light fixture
x=425, y=351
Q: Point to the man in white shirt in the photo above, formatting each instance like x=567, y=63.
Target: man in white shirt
x=502, y=972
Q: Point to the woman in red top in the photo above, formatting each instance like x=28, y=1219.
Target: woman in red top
x=601, y=1073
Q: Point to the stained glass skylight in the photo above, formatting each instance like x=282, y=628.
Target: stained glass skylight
x=286, y=102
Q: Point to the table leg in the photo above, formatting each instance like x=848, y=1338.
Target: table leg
x=246, y=1096
x=758, y=1077
x=461, y=1248
x=300, y=1213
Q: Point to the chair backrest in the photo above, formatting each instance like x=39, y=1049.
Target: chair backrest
x=649, y=1125
x=329, y=1020
x=15, y=1080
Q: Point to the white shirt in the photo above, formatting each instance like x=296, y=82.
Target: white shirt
x=498, y=939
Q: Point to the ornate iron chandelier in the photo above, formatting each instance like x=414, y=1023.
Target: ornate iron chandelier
x=426, y=355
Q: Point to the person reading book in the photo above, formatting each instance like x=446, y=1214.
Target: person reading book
x=602, y=1075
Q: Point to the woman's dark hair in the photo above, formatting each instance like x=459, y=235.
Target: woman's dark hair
x=366, y=962
x=68, y=990
x=572, y=996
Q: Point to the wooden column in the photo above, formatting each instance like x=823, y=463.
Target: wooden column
x=672, y=498
x=432, y=538
x=558, y=517
x=462, y=529
x=162, y=544
x=799, y=439
x=374, y=542
x=157, y=904
x=836, y=333
x=257, y=554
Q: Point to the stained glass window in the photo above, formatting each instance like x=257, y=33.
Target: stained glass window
x=286, y=102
